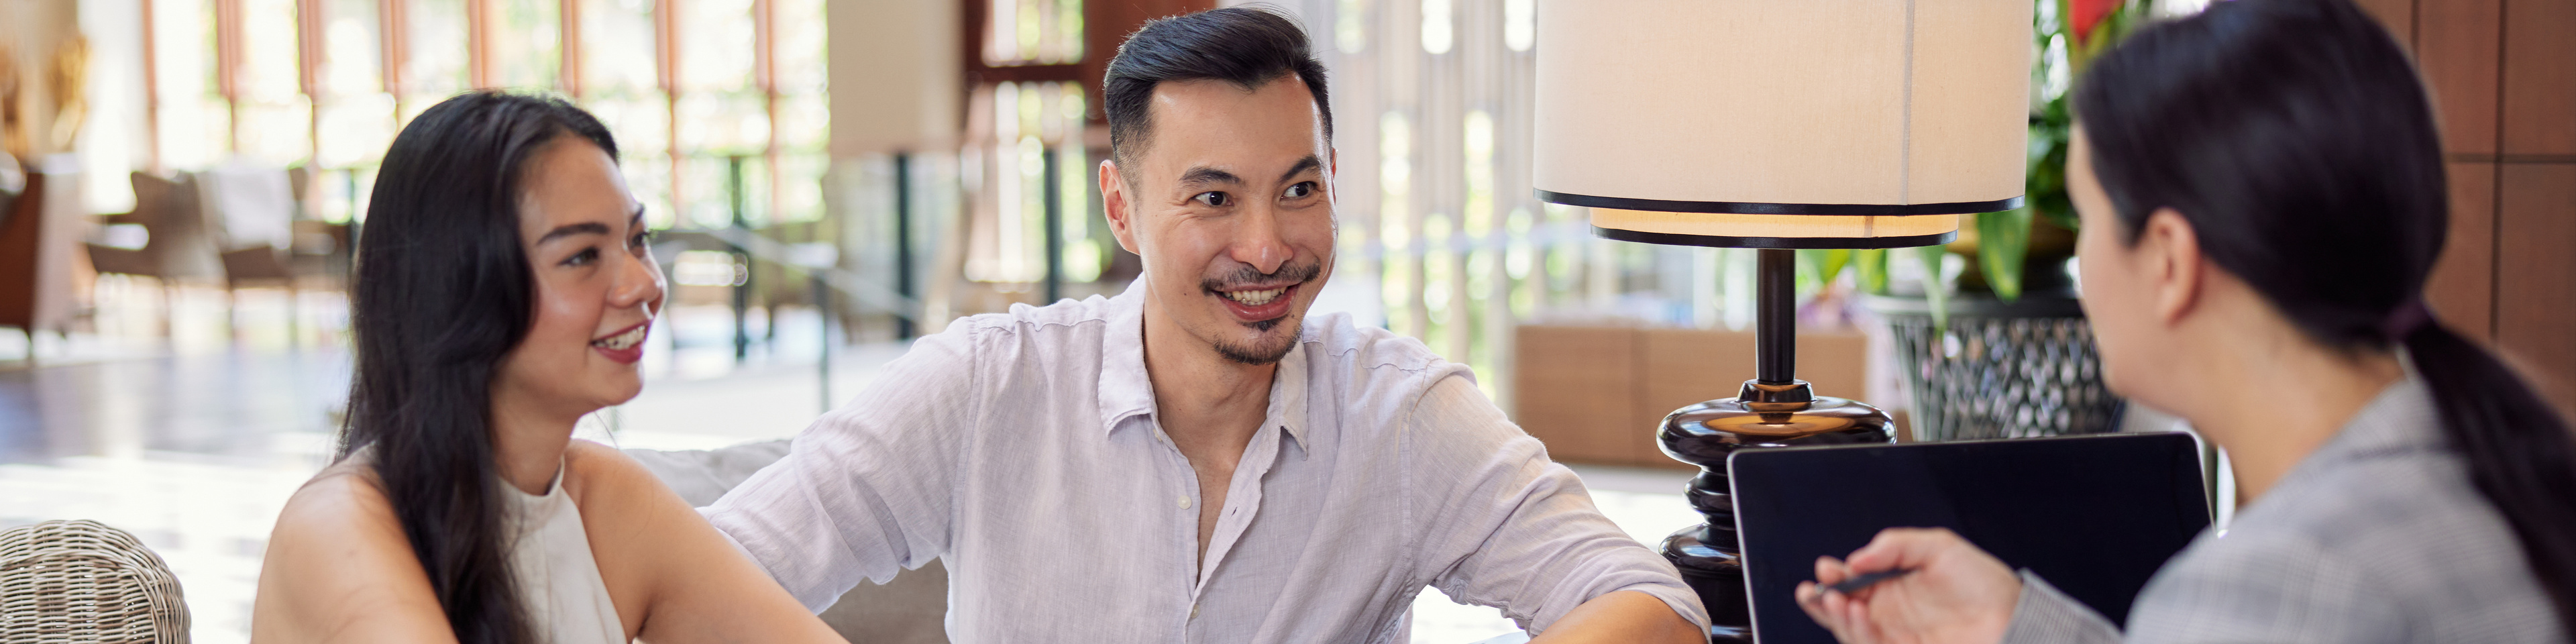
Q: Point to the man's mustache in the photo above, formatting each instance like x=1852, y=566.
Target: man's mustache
x=1245, y=274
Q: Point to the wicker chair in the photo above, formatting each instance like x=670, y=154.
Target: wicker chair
x=79, y=581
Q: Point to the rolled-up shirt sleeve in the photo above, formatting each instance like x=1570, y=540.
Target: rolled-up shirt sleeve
x=865, y=491
x=1503, y=526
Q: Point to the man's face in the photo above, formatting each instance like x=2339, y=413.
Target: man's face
x=1229, y=202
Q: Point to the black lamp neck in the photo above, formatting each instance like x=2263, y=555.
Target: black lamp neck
x=1775, y=317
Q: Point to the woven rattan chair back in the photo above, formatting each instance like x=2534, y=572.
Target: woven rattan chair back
x=79, y=581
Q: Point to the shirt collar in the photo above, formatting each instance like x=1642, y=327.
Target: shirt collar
x=1288, y=391
x=1127, y=391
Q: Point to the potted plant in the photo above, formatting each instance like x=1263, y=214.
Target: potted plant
x=2008, y=354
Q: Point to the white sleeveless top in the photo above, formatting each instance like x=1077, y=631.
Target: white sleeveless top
x=558, y=579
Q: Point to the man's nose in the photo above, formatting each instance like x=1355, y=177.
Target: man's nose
x=1258, y=242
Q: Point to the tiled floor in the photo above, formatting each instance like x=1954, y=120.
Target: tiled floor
x=193, y=441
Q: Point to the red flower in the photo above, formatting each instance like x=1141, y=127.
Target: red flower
x=2087, y=14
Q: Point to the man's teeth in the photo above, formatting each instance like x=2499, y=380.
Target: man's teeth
x=623, y=341
x=1255, y=298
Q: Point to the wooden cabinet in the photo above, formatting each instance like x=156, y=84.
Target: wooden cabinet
x=1596, y=394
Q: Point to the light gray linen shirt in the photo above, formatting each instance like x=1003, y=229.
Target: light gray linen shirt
x=2376, y=537
x=1023, y=447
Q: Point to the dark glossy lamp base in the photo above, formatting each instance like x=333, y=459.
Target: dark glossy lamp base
x=1762, y=415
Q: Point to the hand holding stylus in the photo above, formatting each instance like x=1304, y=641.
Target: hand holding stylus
x=1913, y=586
x=1859, y=582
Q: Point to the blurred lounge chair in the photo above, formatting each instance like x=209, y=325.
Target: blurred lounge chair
x=175, y=246
x=252, y=209
x=321, y=249
x=13, y=180
x=39, y=227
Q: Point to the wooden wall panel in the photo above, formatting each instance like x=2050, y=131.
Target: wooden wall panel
x=2462, y=287
x=2540, y=78
x=2503, y=78
x=2456, y=46
x=1576, y=390
x=2536, y=281
x=2397, y=15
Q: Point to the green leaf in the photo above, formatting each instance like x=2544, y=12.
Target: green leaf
x=1806, y=283
x=1935, y=289
x=2046, y=188
x=2003, y=245
x=1869, y=267
x=1825, y=263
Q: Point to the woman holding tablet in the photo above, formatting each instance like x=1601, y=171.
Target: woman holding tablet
x=2262, y=194
x=503, y=290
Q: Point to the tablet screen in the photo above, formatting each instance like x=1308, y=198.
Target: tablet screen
x=2094, y=515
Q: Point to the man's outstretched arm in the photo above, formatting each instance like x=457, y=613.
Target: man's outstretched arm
x=1503, y=526
x=865, y=491
x=1624, y=616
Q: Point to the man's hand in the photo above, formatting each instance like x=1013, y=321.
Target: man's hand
x=1624, y=616
x=1957, y=594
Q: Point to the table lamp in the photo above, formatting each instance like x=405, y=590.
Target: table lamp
x=1777, y=126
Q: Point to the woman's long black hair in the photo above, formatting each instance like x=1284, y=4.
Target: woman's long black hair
x=2296, y=139
x=443, y=292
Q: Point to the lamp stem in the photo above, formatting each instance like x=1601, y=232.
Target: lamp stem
x=1775, y=317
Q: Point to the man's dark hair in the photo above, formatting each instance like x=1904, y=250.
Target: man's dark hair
x=1239, y=45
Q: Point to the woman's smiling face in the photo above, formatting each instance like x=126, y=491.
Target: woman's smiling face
x=597, y=287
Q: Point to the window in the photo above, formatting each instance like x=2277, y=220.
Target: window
x=1026, y=131
x=325, y=84
x=1033, y=32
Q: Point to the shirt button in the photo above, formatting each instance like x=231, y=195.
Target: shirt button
x=1194, y=611
x=1185, y=503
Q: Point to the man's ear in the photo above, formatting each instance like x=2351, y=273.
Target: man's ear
x=2177, y=273
x=1113, y=202
x=1332, y=175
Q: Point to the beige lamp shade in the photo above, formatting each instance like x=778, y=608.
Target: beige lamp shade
x=1782, y=123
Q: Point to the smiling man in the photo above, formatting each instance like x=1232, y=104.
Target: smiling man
x=1195, y=460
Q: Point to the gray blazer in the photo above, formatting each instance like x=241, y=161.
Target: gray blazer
x=2376, y=537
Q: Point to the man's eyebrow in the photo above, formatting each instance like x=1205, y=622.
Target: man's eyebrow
x=1311, y=162
x=583, y=228
x=1203, y=175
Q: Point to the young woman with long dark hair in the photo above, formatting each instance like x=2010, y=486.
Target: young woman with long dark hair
x=2263, y=196
x=503, y=288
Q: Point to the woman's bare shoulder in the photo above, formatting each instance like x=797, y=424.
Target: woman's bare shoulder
x=345, y=490
x=597, y=475
x=672, y=576
x=339, y=567
x=635, y=524
x=341, y=508
x=626, y=509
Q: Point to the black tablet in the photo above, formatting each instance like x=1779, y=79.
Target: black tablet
x=2094, y=515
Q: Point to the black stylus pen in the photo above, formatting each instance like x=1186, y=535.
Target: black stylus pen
x=1865, y=580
